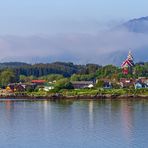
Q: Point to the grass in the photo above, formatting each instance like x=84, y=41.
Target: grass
x=105, y=91
x=99, y=91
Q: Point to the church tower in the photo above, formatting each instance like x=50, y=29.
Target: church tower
x=127, y=65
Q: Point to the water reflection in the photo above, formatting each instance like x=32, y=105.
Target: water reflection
x=47, y=110
x=127, y=118
x=64, y=124
x=9, y=106
x=91, y=113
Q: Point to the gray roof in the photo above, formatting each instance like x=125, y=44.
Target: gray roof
x=82, y=82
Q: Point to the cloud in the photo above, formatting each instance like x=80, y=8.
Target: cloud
x=102, y=47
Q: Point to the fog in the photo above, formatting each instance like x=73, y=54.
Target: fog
x=102, y=47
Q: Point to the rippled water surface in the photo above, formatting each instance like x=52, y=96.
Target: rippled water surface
x=74, y=124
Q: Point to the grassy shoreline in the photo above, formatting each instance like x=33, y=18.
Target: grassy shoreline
x=81, y=94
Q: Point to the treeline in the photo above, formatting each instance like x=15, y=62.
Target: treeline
x=38, y=70
x=12, y=65
x=16, y=72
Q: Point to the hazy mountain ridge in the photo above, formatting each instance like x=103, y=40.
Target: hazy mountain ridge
x=104, y=47
x=137, y=32
x=138, y=25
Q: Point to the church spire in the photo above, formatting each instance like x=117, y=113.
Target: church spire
x=130, y=57
x=128, y=64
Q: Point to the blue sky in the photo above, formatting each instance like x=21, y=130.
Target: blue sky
x=52, y=16
x=67, y=30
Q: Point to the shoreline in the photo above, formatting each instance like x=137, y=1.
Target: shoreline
x=75, y=97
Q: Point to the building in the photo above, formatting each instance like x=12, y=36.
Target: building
x=142, y=82
x=127, y=65
x=82, y=84
x=126, y=83
x=15, y=87
x=20, y=87
x=107, y=85
x=48, y=88
x=138, y=85
x=38, y=82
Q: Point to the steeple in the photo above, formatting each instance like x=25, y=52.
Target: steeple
x=128, y=64
x=130, y=57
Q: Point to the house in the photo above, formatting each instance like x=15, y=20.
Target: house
x=48, y=88
x=142, y=82
x=82, y=84
x=105, y=82
x=138, y=85
x=38, y=82
x=145, y=85
x=15, y=87
x=125, y=83
x=107, y=85
x=20, y=87
x=90, y=86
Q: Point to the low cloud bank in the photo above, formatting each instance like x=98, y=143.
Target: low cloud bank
x=103, y=47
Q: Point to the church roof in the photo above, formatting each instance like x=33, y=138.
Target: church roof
x=129, y=61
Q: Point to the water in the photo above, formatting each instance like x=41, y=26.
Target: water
x=74, y=124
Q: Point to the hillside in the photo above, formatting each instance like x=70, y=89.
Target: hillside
x=63, y=68
x=40, y=69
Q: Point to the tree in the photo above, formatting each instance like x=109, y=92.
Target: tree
x=22, y=78
x=100, y=83
x=7, y=76
x=83, y=77
x=52, y=77
x=63, y=84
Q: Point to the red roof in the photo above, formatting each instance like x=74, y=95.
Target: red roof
x=127, y=62
x=38, y=81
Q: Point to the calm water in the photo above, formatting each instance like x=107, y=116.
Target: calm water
x=78, y=124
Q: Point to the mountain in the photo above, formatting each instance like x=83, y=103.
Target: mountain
x=133, y=35
x=138, y=25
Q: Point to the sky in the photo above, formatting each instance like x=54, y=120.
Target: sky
x=27, y=17
x=63, y=29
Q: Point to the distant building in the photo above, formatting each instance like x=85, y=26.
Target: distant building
x=125, y=83
x=38, y=82
x=107, y=85
x=142, y=82
x=15, y=87
x=128, y=64
x=20, y=87
x=90, y=86
x=138, y=85
x=82, y=84
x=48, y=88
